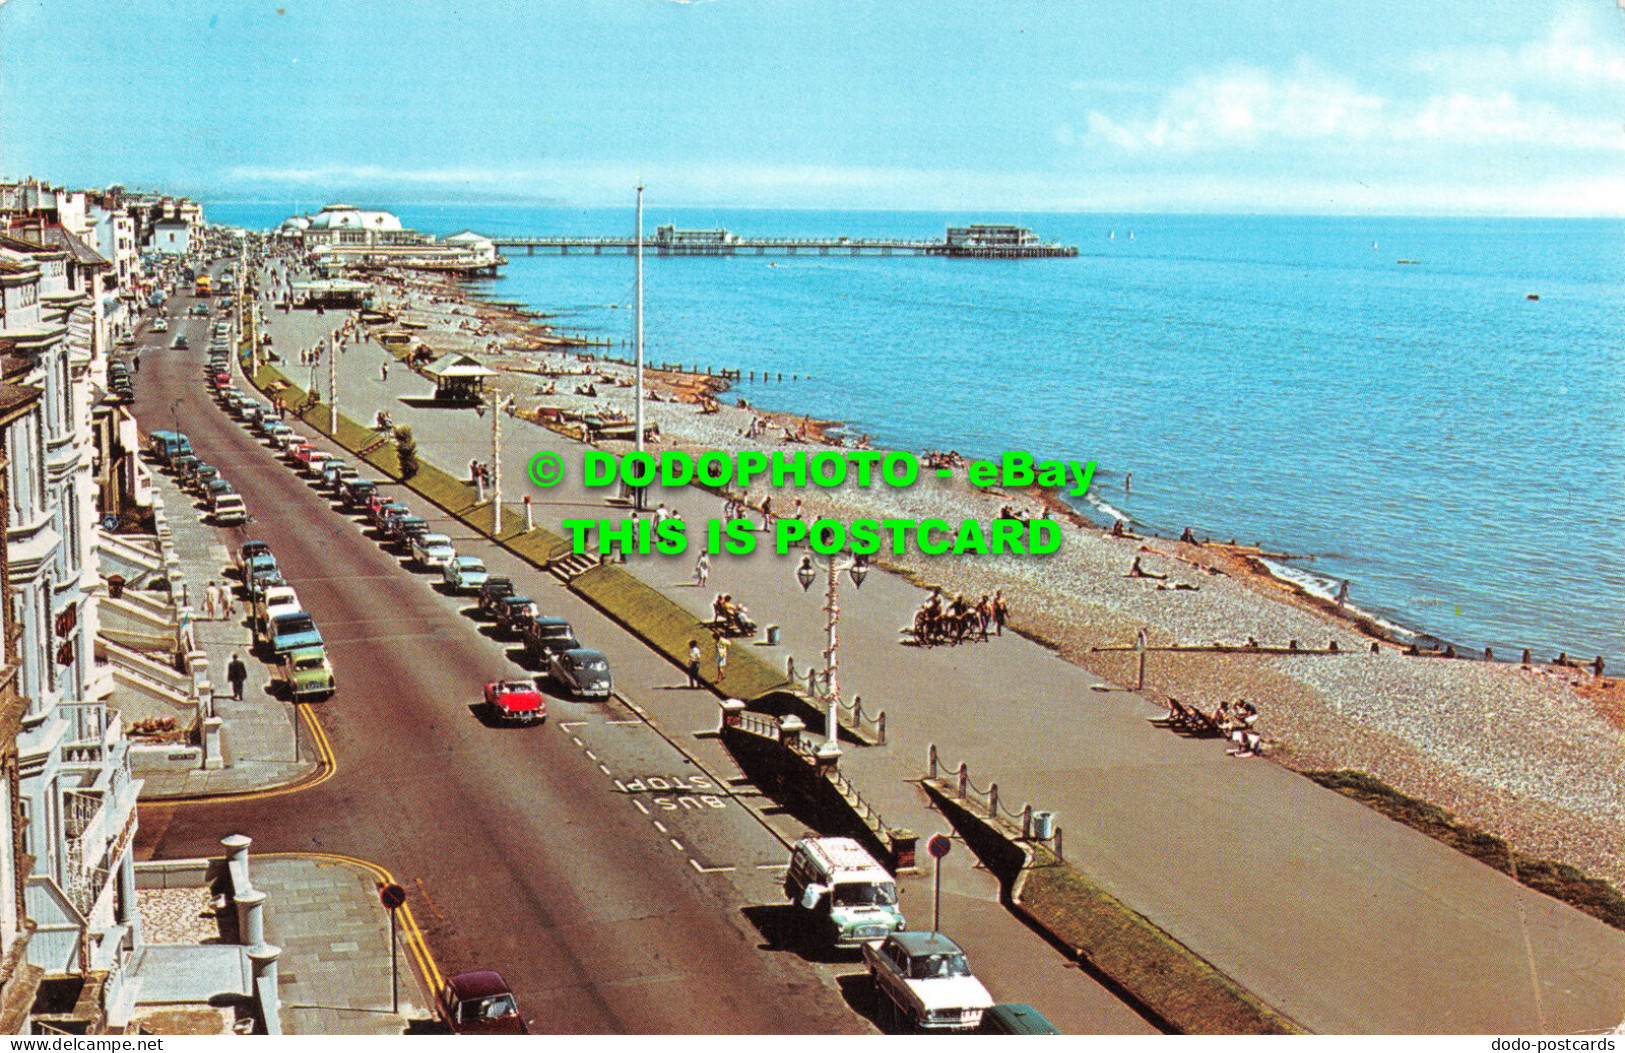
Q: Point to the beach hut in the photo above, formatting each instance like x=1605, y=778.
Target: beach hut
x=457, y=378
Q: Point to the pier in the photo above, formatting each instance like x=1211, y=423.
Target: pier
x=972, y=242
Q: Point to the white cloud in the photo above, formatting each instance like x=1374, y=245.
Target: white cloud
x=1246, y=105
x=1581, y=50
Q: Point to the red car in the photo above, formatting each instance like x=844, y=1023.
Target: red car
x=515, y=700
x=480, y=1003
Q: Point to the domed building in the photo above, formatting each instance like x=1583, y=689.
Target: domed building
x=343, y=235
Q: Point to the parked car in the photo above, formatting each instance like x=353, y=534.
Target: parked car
x=179, y=343
x=492, y=591
x=203, y=475
x=408, y=529
x=199, y=310
x=231, y=511
x=275, y=430
x=334, y=478
x=288, y=438
x=289, y=632
x=261, y=580
x=515, y=701
x=432, y=550
x=582, y=672
x=1016, y=1018
x=546, y=636
x=313, y=462
x=305, y=672
x=183, y=464
x=357, y=491
x=513, y=612
x=248, y=550
x=479, y=1003
x=385, y=510
x=167, y=445
x=923, y=979
x=331, y=469
x=272, y=601
x=215, y=490
x=464, y=574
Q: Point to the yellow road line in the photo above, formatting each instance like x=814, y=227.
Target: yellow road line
x=327, y=766
x=418, y=947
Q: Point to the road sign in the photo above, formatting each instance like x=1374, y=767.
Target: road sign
x=938, y=846
x=391, y=896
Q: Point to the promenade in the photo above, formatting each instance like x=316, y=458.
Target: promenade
x=1337, y=917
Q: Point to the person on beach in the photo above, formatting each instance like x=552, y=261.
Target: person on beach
x=767, y=512
x=693, y=663
x=1128, y=483
x=1000, y=612
x=984, y=614
x=383, y=372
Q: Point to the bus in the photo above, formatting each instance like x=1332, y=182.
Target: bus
x=202, y=287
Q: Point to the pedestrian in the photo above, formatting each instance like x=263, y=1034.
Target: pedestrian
x=138, y=361
x=228, y=600
x=693, y=663
x=236, y=675
x=702, y=569
x=383, y=371
x=210, y=595
x=722, y=657
x=1000, y=611
x=1128, y=483
x=473, y=471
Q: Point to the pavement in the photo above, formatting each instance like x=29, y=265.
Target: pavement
x=263, y=748
x=1343, y=920
x=334, y=974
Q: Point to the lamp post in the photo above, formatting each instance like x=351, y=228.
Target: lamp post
x=830, y=751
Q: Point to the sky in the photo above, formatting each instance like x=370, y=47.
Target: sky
x=1253, y=106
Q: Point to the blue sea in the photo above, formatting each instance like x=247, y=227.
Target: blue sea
x=1426, y=430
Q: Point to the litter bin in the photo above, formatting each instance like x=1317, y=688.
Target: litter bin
x=1043, y=826
x=773, y=635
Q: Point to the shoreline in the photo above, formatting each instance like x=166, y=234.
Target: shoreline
x=1392, y=715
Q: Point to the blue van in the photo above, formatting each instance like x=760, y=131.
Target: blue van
x=168, y=445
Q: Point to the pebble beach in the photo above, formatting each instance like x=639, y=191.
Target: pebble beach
x=1529, y=753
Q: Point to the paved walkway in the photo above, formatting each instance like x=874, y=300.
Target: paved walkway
x=1345, y=921
x=334, y=934
x=259, y=731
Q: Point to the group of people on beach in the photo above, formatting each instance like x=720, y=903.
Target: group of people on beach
x=953, y=622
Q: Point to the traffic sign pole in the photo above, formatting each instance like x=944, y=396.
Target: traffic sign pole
x=392, y=896
x=938, y=846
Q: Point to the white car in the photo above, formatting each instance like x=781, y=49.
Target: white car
x=278, y=599
x=922, y=979
x=432, y=550
x=160, y=325
x=230, y=510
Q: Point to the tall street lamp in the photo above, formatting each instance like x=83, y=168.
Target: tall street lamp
x=830, y=752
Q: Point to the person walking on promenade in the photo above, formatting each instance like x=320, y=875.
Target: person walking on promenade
x=693, y=663
x=137, y=361
x=702, y=569
x=228, y=602
x=236, y=676
x=210, y=596
x=722, y=657
x=1000, y=611
x=383, y=372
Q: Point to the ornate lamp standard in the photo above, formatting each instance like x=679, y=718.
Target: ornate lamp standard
x=830, y=752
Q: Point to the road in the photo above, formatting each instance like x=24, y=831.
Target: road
x=610, y=912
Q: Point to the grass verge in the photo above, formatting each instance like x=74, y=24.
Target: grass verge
x=1559, y=880
x=664, y=625
x=642, y=609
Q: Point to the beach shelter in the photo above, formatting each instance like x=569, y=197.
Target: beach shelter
x=457, y=378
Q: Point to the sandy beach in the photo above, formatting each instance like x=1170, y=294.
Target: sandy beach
x=1529, y=753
